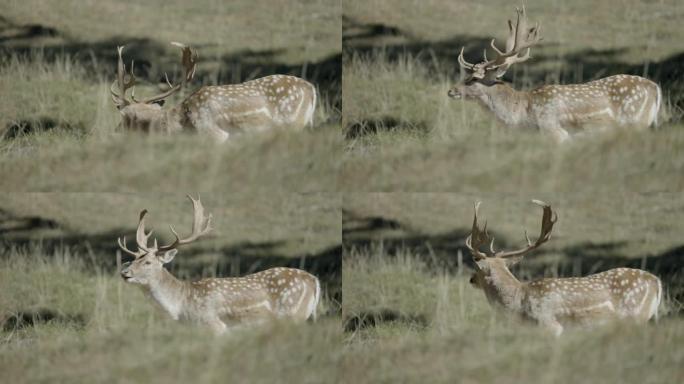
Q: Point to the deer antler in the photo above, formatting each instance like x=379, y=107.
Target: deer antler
x=201, y=225
x=121, y=83
x=549, y=218
x=189, y=61
x=141, y=238
x=478, y=236
x=520, y=38
x=463, y=63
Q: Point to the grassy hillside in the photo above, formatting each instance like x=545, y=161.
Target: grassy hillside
x=403, y=132
x=410, y=313
x=58, y=126
x=62, y=298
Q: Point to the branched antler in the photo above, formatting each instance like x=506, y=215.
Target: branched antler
x=201, y=225
x=123, y=85
x=479, y=237
x=126, y=80
x=520, y=39
x=189, y=62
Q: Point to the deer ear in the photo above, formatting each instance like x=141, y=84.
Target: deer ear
x=168, y=256
x=482, y=265
x=511, y=261
x=159, y=102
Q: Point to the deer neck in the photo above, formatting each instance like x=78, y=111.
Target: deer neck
x=168, y=292
x=508, y=105
x=172, y=120
x=502, y=288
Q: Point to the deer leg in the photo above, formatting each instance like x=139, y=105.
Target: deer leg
x=219, y=134
x=551, y=126
x=552, y=325
x=218, y=326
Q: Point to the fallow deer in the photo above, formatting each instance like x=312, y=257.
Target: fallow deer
x=220, y=303
x=620, y=293
x=561, y=110
x=221, y=111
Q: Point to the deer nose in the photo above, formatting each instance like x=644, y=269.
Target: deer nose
x=125, y=273
x=453, y=93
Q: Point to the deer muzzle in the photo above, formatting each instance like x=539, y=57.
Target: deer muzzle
x=454, y=93
x=126, y=273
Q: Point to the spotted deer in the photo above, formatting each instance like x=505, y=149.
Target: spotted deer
x=620, y=293
x=220, y=303
x=561, y=110
x=221, y=111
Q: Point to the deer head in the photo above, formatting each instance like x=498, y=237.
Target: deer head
x=144, y=114
x=149, y=260
x=498, y=262
x=487, y=73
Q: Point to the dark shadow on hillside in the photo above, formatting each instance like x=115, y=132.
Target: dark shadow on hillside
x=441, y=57
x=386, y=124
x=440, y=252
x=354, y=32
x=20, y=128
x=153, y=59
x=31, y=318
x=366, y=40
x=372, y=319
x=99, y=252
x=13, y=32
x=16, y=224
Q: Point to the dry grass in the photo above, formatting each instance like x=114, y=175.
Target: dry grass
x=62, y=299
x=59, y=126
x=405, y=134
x=443, y=331
x=411, y=314
x=68, y=322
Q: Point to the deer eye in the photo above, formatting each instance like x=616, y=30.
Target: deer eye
x=148, y=262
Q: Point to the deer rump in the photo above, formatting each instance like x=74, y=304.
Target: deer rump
x=616, y=294
x=271, y=102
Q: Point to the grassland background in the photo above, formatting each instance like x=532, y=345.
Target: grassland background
x=404, y=134
x=66, y=315
x=410, y=314
x=59, y=126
